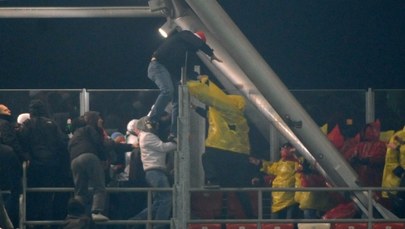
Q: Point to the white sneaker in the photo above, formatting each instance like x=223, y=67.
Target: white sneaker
x=99, y=217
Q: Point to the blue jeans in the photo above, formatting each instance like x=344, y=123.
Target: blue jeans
x=162, y=201
x=168, y=93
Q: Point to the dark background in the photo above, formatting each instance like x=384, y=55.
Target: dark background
x=332, y=44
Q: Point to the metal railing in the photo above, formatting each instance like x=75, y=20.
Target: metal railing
x=12, y=98
x=259, y=221
x=23, y=204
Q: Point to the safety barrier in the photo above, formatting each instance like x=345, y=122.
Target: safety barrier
x=235, y=223
x=24, y=222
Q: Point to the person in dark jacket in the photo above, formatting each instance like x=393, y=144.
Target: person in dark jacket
x=46, y=145
x=8, y=134
x=88, y=151
x=5, y=221
x=11, y=157
x=164, y=69
x=86, y=155
x=10, y=179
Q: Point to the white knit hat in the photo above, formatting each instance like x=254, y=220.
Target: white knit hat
x=131, y=126
x=23, y=117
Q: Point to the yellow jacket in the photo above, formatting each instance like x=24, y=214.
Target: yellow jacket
x=285, y=177
x=395, y=157
x=318, y=200
x=228, y=128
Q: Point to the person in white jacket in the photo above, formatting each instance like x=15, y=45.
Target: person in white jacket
x=153, y=154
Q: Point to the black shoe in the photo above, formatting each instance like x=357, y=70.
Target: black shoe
x=211, y=185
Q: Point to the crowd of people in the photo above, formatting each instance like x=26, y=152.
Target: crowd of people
x=86, y=155
x=89, y=156
x=82, y=156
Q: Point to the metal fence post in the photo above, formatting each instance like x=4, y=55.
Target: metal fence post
x=370, y=106
x=181, y=212
x=84, y=101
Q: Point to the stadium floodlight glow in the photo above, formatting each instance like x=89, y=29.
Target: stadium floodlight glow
x=167, y=28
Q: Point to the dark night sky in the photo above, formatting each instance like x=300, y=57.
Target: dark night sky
x=309, y=44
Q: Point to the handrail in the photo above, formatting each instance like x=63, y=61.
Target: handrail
x=260, y=218
x=369, y=220
x=78, y=12
x=148, y=190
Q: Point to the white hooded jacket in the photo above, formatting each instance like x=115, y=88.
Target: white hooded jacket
x=154, y=150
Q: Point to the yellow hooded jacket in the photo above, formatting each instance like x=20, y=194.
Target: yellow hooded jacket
x=285, y=177
x=395, y=157
x=228, y=128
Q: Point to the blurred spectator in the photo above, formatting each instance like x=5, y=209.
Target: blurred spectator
x=227, y=146
x=369, y=156
x=312, y=203
x=59, y=108
x=164, y=70
x=87, y=154
x=48, y=159
x=394, y=172
x=89, y=149
x=153, y=151
x=5, y=221
x=116, y=160
x=11, y=156
x=283, y=204
x=127, y=171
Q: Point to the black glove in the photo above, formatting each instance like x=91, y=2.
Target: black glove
x=398, y=171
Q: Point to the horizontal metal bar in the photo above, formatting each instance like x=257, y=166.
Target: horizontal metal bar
x=256, y=189
x=77, y=12
x=297, y=220
x=134, y=222
x=109, y=222
x=108, y=189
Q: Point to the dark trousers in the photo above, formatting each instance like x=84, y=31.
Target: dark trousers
x=230, y=169
x=10, y=179
x=40, y=204
x=123, y=205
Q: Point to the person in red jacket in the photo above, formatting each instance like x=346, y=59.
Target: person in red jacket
x=369, y=156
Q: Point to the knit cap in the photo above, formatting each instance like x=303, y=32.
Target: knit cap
x=201, y=35
x=23, y=117
x=131, y=126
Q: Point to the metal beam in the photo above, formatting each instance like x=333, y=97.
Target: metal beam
x=78, y=12
x=329, y=161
